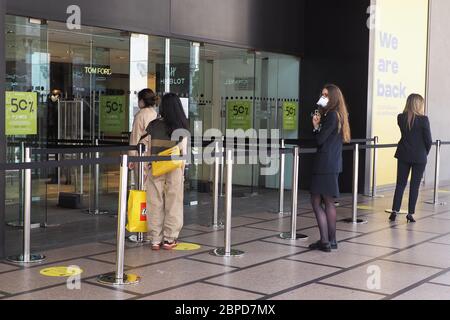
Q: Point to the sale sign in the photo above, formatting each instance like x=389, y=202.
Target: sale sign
x=112, y=114
x=21, y=113
x=290, y=115
x=239, y=114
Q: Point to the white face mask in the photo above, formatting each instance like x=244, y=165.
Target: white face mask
x=323, y=102
x=54, y=98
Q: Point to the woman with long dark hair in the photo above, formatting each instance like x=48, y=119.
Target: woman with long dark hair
x=331, y=129
x=412, y=153
x=165, y=192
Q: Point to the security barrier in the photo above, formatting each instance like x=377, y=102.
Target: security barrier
x=119, y=277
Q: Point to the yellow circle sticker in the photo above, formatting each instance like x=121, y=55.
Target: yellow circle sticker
x=61, y=271
x=365, y=208
x=187, y=247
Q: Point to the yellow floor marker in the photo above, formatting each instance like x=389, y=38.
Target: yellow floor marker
x=187, y=247
x=365, y=208
x=61, y=271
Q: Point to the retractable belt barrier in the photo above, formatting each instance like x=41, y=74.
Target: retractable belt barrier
x=119, y=277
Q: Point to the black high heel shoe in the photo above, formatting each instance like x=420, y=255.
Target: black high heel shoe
x=393, y=216
x=410, y=218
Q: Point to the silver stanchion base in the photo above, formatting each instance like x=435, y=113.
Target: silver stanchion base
x=284, y=213
x=358, y=221
x=220, y=252
x=110, y=279
x=135, y=239
x=47, y=225
x=250, y=195
x=96, y=212
x=390, y=211
x=436, y=204
x=219, y=226
x=377, y=196
x=34, y=258
x=19, y=224
x=298, y=236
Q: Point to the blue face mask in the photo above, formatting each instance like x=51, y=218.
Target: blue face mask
x=323, y=102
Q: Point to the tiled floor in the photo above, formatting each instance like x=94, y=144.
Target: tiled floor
x=377, y=260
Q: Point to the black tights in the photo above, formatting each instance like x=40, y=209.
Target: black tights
x=325, y=218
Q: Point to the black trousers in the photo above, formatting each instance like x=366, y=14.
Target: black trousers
x=403, y=170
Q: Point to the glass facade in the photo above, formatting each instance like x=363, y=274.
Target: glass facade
x=75, y=77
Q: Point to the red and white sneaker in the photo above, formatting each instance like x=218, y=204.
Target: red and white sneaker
x=169, y=245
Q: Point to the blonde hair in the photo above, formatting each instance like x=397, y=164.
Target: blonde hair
x=337, y=103
x=415, y=106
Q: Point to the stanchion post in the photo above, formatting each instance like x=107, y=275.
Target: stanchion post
x=293, y=235
x=215, y=223
x=354, y=219
x=140, y=237
x=437, y=169
x=96, y=210
x=374, y=168
x=119, y=277
x=27, y=256
x=222, y=168
x=227, y=251
x=280, y=210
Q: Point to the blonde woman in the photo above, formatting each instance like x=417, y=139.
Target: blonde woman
x=412, y=153
x=331, y=129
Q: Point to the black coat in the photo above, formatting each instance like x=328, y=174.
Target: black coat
x=328, y=159
x=415, y=144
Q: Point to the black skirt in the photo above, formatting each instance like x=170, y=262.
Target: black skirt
x=325, y=185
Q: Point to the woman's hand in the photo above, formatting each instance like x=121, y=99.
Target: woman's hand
x=316, y=121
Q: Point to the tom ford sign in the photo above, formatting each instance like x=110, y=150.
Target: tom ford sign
x=104, y=71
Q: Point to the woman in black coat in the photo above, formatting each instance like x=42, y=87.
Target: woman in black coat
x=331, y=129
x=412, y=153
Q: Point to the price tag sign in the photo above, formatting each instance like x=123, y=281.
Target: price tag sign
x=112, y=114
x=290, y=115
x=21, y=113
x=239, y=114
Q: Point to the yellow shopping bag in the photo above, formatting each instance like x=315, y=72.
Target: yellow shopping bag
x=162, y=167
x=137, y=211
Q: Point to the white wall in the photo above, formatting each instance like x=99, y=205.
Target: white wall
x=438, y=100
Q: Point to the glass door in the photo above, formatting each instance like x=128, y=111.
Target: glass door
x=27, y=88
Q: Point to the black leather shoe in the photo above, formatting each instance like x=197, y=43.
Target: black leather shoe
x=334, y=245
x=325, y=247
x=410, y=218
x=393, y=216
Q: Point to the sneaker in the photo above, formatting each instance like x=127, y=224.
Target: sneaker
x=156, y=246
x=169, y=245
x=325, y=247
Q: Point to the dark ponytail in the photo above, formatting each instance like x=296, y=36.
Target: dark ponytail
x=148, y=97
